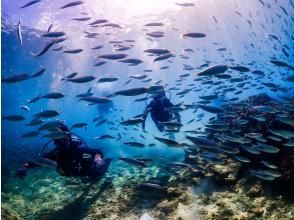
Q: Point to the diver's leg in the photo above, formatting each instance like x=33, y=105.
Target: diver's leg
x=159, y=126
x=105, y=165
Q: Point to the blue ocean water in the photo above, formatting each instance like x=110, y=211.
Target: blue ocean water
x=237, y=33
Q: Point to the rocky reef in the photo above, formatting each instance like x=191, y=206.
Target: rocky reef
x=199, y=191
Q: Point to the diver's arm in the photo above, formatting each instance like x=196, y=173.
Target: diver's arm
x=168, y=104
x=145, y=114
x=177, y=116
x=50, y=155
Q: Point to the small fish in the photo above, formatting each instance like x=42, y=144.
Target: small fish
x=13, y=117
x=132, y=62
x=70, y=76
x=51, y=125
x=53, y=34
x=134, y=162
x=194, y=35
x=107, y=79
x=133, y=92
x=53, y=95
x=48, y=46
x=157, y=51
x=172, y=124
x=210, y=71
x=169, y=142
x=267, y=148
x=156, y=34
x=242, y=159
x=105, y=136
x=96, y=99
x=99, y=21
x=240, y=68
x=35, y=121
x=134, y=144
x=47, y=114
x=153, y=186
x=56, y=135
x=97, y=47
x=74, y=51
x=49, y=28
x=266, y=109
x=81, y=19
x=30, y=3
x=186, y=4
x=19, y=34
x=86, y=156
x=268, y=164
x=82, y=79
x=153, y=24
x=164, y=57
x=138, y=76
x=16, y=78
x=87, y=94
x=79, y=125
x=101, y=122
x=100, y=63
x=25, y=107
x=71, y=4
x=117, y=56
x=39, y=73
x=30, y=134
x=132, y=121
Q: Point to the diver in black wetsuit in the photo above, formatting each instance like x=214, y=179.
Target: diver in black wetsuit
x=160, y=111
x=73, y=158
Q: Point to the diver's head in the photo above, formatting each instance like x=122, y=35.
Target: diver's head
x=159, y=92
x=63, y=141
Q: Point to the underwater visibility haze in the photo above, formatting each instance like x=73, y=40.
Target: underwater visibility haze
x=155, y=109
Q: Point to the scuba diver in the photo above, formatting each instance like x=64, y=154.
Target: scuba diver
x=160, y=110
x=73, y=157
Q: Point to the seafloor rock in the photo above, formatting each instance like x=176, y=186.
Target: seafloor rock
x=8, y=214
x=167, y=206
x=255, y=190
x=227, y=173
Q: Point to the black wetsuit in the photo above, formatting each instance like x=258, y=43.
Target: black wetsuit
x=159, y=110
x=76, y=159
